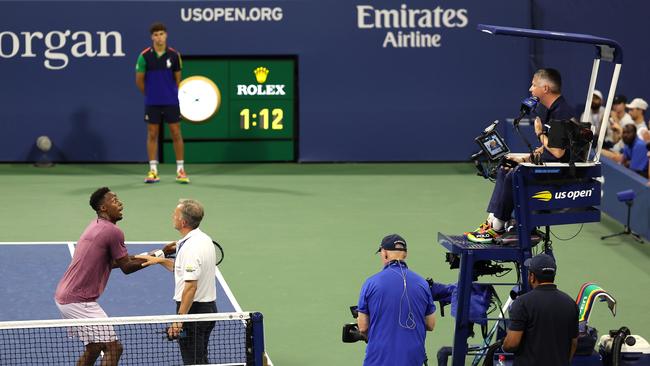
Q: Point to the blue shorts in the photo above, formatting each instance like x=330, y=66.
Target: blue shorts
x=157, y=114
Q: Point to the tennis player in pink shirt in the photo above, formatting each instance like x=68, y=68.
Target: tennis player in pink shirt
x=99, y=249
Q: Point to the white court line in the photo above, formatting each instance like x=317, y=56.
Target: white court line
x=227, y=290
x=71, y=248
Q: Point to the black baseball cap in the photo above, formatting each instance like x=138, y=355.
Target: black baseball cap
x=618, y=99
x=541, y=265
x=393, y=242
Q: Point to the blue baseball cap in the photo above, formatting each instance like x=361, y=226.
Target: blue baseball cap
x=393, y=242
x=541, y=265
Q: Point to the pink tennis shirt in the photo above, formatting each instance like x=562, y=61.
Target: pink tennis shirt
x=86, y=277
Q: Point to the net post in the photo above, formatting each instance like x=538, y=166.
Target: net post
x=257, y=336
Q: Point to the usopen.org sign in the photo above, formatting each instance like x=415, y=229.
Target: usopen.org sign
x=56, y=47
x=407, y=27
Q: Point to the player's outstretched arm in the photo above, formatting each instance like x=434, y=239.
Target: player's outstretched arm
x=169, y=248
x=148, y=260
x=129, y=264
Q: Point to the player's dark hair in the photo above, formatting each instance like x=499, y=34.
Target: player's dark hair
x=97, y=198
x=157, y=27
x=553, y=77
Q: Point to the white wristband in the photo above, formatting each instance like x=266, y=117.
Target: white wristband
x=156, y=253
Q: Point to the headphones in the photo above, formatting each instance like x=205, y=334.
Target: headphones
x=410, y=317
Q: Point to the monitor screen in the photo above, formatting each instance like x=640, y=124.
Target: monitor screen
x=493, y=145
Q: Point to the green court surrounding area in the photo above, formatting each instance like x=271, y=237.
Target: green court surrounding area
x=300, y=238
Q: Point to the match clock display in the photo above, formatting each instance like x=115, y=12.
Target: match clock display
x=237, y=110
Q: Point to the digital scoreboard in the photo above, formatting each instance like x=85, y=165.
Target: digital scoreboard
x=237, y=110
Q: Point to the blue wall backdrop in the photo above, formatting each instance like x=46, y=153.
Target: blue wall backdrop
x=68, y=69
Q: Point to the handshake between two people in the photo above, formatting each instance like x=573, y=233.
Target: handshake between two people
x=158, y=256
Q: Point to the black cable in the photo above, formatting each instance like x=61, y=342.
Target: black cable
x=576, y=234
x=506, y=271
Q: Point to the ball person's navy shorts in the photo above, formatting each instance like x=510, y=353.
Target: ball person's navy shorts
x=162, y=113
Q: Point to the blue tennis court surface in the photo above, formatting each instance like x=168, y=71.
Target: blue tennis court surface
x=33, y=270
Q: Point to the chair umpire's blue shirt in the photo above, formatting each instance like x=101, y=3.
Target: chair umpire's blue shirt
x=388, y=342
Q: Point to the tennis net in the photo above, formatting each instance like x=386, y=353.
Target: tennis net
x=232, y=339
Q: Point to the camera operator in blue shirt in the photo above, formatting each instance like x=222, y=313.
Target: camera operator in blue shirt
x=395, y=310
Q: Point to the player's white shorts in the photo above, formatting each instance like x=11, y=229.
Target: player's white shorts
x=87, y=333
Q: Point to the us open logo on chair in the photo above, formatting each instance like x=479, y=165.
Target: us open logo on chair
x=546, y=196
x=543, y=196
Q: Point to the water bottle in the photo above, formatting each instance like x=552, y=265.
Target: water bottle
x=501, y=361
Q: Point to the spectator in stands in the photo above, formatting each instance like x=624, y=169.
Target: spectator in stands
x=618, y=113
x=597, y=112
x=617, y=119
x=636, y=109
x=635, y=153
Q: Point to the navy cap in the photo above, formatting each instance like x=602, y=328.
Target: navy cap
x=620, y=99
x=393, y=242
x=541, y=264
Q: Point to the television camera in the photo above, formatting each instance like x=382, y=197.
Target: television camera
x=351, y=333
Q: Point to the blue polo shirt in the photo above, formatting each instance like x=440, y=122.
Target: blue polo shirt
x=159, y=82
x=384, y=299
x=559, y=110
x=637, y=155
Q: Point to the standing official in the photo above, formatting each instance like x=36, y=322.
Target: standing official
x=194, y=273
x=157, y=76
x=395, y=310
x=543, y=322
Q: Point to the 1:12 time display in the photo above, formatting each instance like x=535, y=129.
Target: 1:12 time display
x=247, y=120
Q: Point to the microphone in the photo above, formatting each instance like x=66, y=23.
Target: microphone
x=527, y=105
x=491, y=127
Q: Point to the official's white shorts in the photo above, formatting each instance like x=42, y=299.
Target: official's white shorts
x=87, y=333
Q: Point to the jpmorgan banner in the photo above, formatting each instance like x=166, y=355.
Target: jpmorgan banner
x=59, y=46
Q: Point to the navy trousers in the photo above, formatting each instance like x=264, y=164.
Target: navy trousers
x=502, y=201
x=194, y=344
